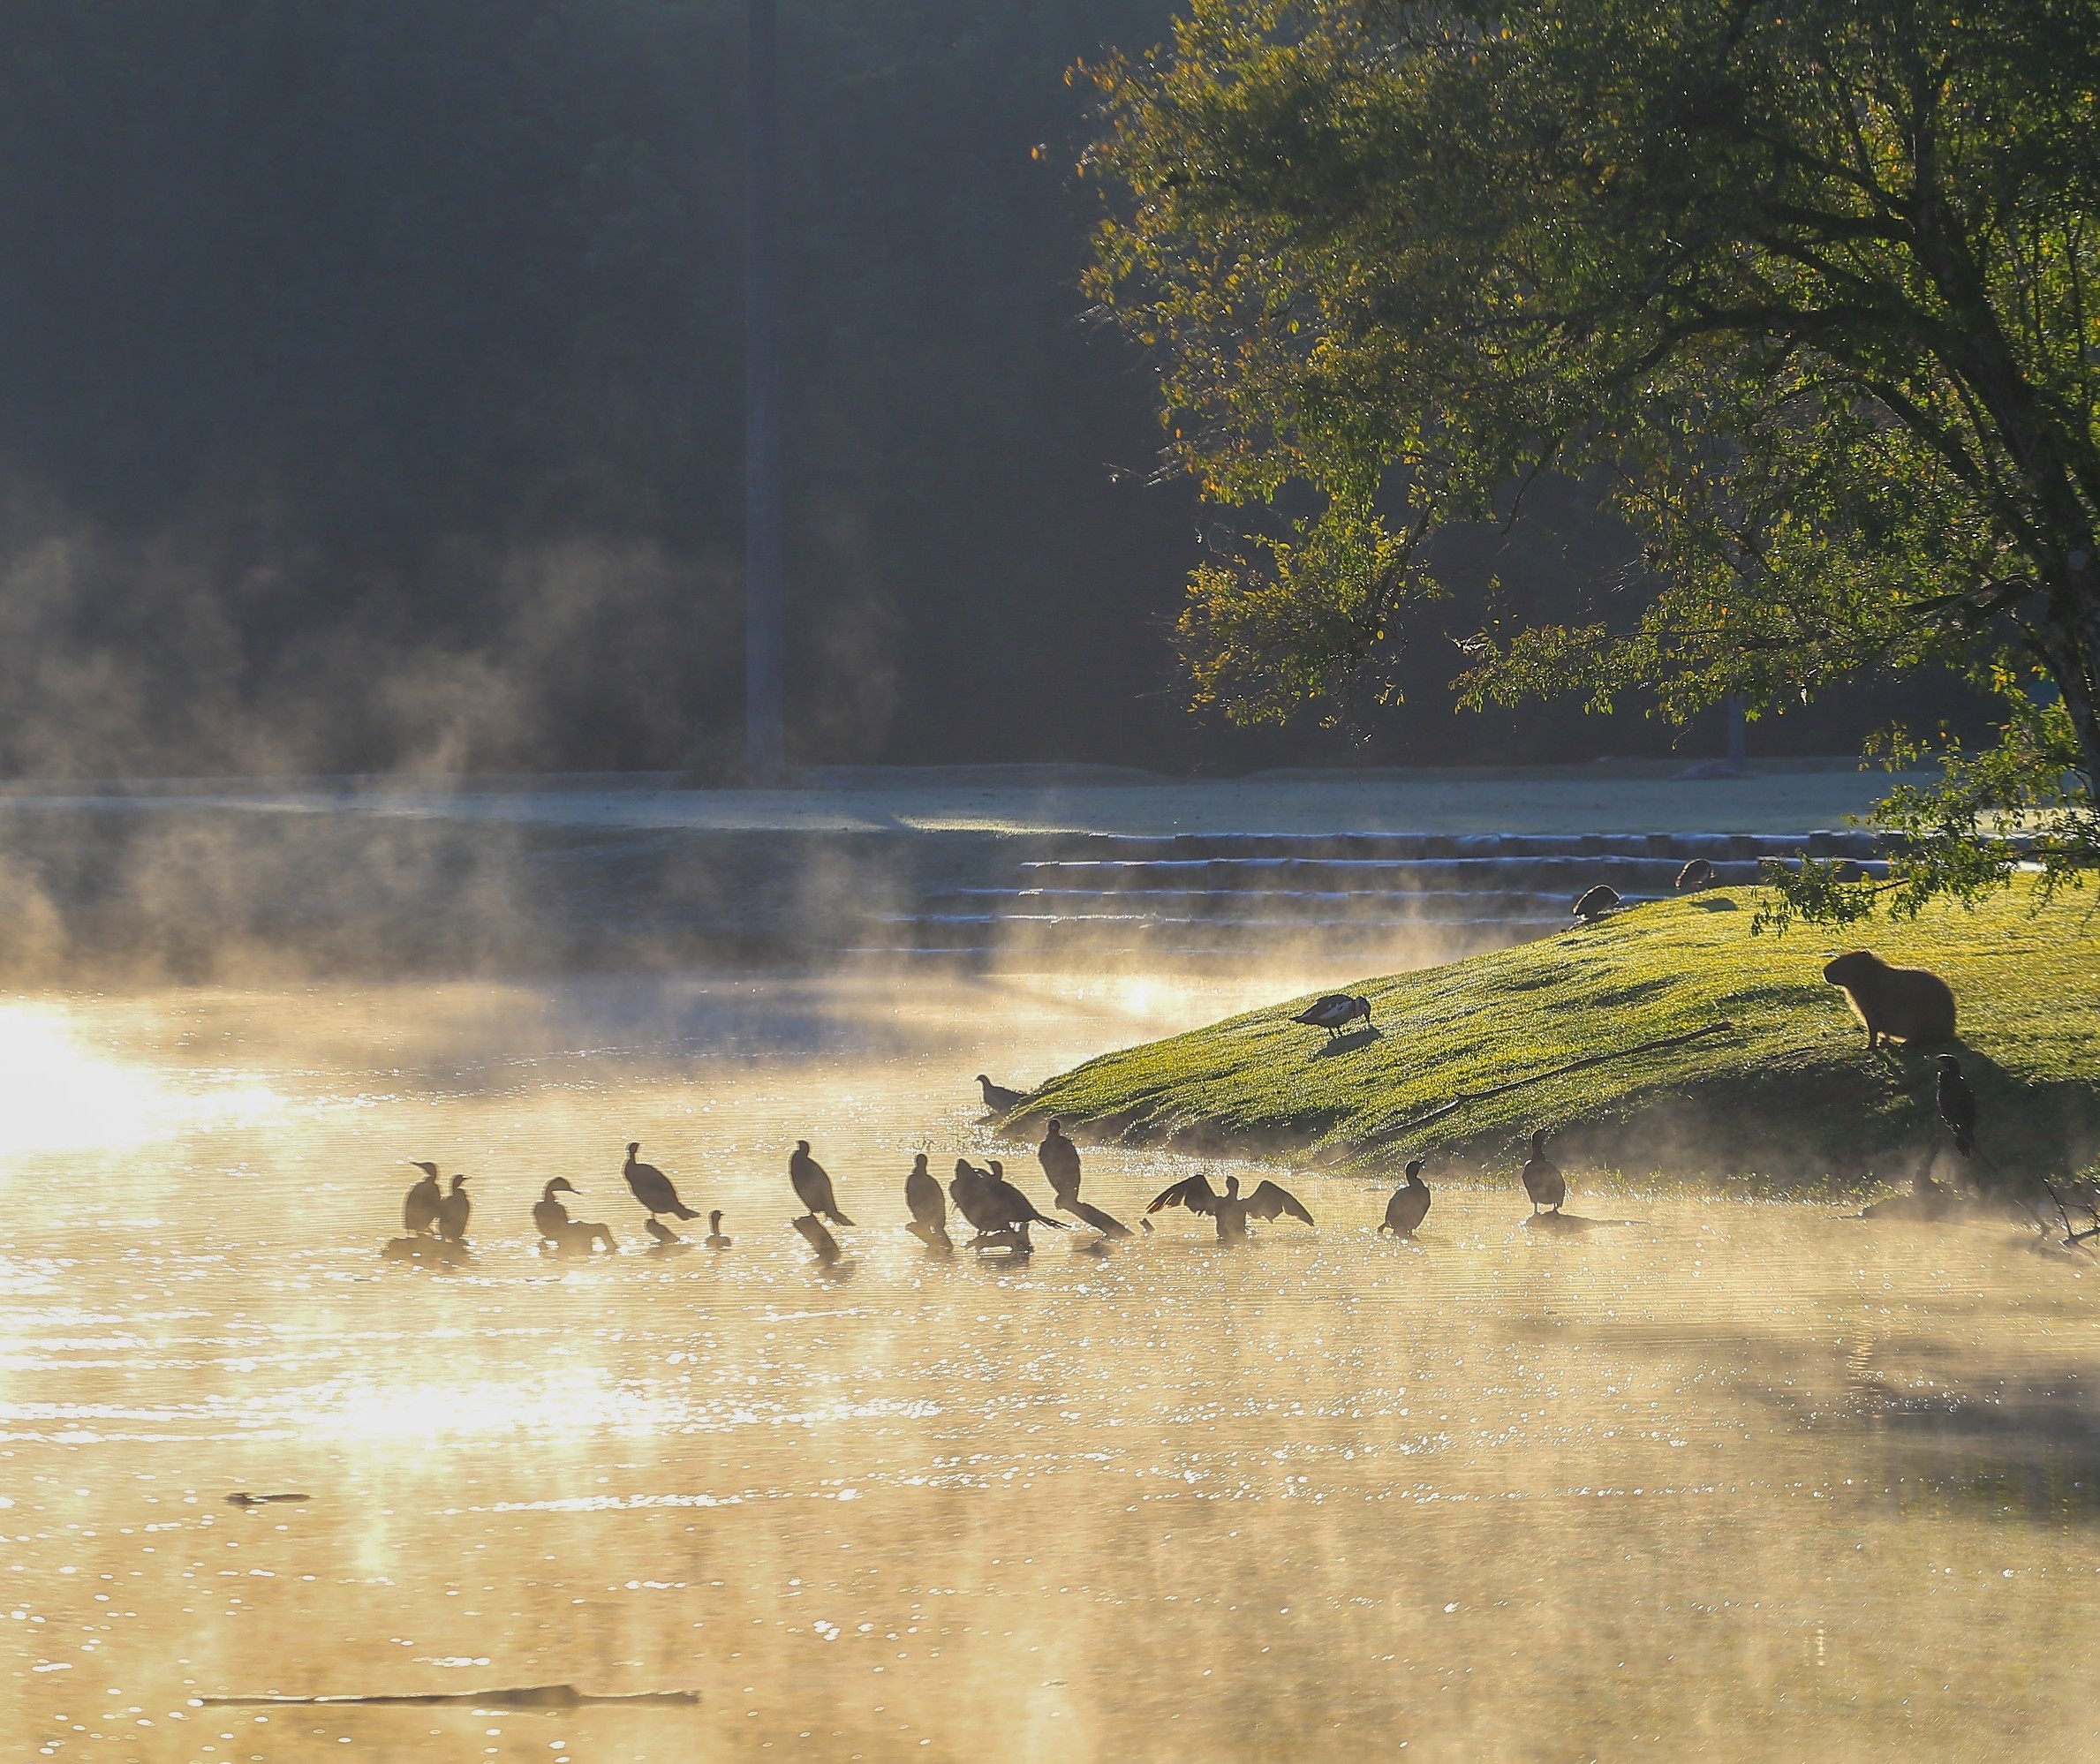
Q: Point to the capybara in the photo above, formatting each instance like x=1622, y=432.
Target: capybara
x=1897, y=1003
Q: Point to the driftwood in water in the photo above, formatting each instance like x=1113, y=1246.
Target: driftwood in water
x=519, y=1697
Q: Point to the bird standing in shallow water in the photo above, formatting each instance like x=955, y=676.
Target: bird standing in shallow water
x=652, y=1187
x=424, y=1202
x=1333, y=1013
x=1543, y=1180
x=1957, y=1103
x=715, y=1239
x=1060, y=1159
x=928, y=1206
x=1231, y=1210
x=454, y=1212
x=551, y=1220
x=812, y=1185
x=1409, y=1204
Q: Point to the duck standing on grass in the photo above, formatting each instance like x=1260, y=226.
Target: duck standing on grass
x=812, y=1185
x=1409, y=1204
x=1335, y=1013
x=1543, y=1180
x=652, y=1187
x=997, y=1097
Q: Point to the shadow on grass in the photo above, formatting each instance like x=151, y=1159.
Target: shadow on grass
x=1347, y=1044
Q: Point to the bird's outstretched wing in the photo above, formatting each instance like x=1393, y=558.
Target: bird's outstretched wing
x=1269, y=1200
x=1196, y=1193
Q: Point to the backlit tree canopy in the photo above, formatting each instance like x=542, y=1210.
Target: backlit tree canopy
x=1806, y=291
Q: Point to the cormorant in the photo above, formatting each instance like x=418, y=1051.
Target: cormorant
x=1409, y=1204
x=715, y=1239
x=1231, y=1210
x=1333, y=1013
x=1060, y=1159
x=1543, y=1180
x=928, y=1206
x=969, y=1190
x=1696, y=875
x=997, y=1096
x=1594, y=903
x=652, y=1188
x=1957, y=1103
x=424, y=1202
x=812, y=1185
x=454, y=1212
x=1016, y=1210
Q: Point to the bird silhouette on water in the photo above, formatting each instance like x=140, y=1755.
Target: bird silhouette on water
x=454, y=1212
x=1335, y=1013
x=1060, y=1159
x=1231, y=1210
x=1409, y=1204
x=652, y=1187
x=812, y=1185
x=715, y=1239
x=1543, y=1180
x=997, y=1096
x=1594, y=903
x=928, y=1206
x=551, y=1220
x=424, y=1202
x=1957, y=1103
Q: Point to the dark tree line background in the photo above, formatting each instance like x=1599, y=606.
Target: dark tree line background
x=370, y=395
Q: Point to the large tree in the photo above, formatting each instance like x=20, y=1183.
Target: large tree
x=1804, y=291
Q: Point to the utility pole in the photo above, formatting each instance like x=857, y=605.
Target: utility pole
x=764, y=738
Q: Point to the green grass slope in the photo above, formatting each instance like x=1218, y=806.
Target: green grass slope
x=1789, y=1092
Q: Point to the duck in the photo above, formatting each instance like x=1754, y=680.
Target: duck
x=1231, y=1210
x=424, y=1202
x=454, y=1212
x=1543, y=1180
x=997, y=1096
x=1957, y=1103
x=561, y=1233
x=812, y=1185
x=715, y=1239
x=652, y=1188
x=928, y=1206
x=1594, y=903
x=1333, y=1013
x=1409, y=1204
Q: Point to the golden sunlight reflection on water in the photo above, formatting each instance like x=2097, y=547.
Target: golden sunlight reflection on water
x=1737, y=1478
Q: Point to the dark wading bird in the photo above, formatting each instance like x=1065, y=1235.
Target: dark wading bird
x=1231, y=1210
x=420, y=1209
x=1335, y=1013
x=1543, y=1180
x=1594, y=903
x=928, y=1206
x=1016, y=1210
x=1957, y=1103
x=812, y=1185
x=997, y=1096
x=1060, y=1159
x=715, y=1239
x=551, y=1220
x=1696, y=875
x=652, y=1187
x=1409, y=1204
x=454, y=1212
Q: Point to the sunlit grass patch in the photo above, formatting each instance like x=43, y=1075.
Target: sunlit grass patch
x=1790, y=1090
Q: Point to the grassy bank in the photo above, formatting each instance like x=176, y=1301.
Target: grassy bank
x=1788, y=1091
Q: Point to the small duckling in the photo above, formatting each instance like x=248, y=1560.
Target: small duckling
x=715, y=1239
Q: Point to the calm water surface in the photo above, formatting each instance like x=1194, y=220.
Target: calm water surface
x=1735, y=1479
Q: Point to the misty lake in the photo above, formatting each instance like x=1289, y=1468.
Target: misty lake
x=1741, y=1476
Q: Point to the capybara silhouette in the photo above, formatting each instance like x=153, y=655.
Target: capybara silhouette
x=1896, y=1004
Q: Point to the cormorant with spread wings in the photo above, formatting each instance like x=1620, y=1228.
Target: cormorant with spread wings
x=1232, y=1210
